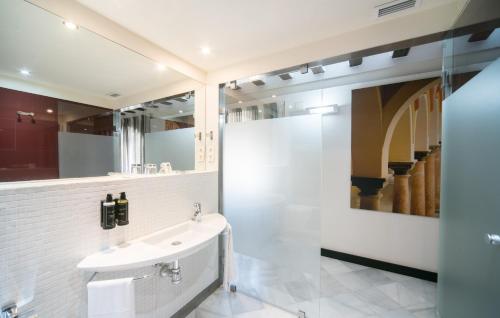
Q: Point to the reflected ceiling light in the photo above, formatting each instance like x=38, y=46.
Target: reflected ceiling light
x=70, y=25
x=180, y=111
x=324, y=109
x=318, y=69
x=25, y=72
x=161, y=67
x=50, y=111
x=274, y=96
x=205, y=50
x=240, y=102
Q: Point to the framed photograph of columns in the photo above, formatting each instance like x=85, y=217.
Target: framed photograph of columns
x=395, y=147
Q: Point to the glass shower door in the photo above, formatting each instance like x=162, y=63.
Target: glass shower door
x=469, y=283
x=271, y=190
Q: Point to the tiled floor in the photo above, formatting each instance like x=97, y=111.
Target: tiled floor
x=347, y=291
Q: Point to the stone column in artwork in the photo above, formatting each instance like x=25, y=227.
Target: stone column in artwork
x=401, y=195
x=418, y=184
x=437, y=176
x=369, y=191
x=430, y=185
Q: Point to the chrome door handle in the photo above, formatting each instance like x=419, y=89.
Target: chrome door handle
x=493, y=239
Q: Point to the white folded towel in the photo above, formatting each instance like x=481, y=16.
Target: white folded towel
x=230, y=273
x=111, y=298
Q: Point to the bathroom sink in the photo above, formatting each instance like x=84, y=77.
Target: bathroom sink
x=160, y=247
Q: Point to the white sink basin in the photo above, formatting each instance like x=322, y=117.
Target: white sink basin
x=160, y=247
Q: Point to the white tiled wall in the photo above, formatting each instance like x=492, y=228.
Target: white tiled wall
x=47, y=228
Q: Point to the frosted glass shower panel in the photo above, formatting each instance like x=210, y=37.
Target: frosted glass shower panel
x=272, y=180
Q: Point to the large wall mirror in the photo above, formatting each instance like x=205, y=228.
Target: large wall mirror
x=63, y=92
x=158, y=136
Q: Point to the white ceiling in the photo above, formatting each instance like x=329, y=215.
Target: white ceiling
x=240, y=30
x=79, y=60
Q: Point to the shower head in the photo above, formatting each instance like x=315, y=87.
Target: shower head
x=30, y=114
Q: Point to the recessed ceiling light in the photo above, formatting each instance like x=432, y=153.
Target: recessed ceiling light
x=274, y=96
x=180, y=111
x=205, y=50
x=161, y=67
x=240, y=102
x=50, y=111
x=70, y=25
x=25, y=72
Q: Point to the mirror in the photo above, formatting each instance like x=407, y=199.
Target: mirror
x=159, y=134
x=61, y=88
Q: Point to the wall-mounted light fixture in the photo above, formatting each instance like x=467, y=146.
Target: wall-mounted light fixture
x=25, y=72
x=70, y=25
x=327, y=109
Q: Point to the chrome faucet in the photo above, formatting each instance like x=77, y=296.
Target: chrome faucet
x=197, y=212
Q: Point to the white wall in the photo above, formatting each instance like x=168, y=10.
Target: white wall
x=402, y=239
x=47, y=227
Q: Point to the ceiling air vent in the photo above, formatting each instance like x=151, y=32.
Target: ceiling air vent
x=114, y=95
x=395, y=6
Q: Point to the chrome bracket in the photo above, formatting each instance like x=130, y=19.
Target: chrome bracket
x=10, y=311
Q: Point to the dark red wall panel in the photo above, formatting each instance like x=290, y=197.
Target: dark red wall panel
x=28, y=151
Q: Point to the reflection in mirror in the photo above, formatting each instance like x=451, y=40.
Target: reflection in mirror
x=59, y=87
x=157, y=136
x=47, y=138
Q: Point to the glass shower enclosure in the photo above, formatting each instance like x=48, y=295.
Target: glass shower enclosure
x=271, y=197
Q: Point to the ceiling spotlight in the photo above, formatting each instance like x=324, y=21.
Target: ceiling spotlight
x=355, y=61
x=161, y=67
x=70, y=25
x=258, y=82
x=50, y=111
x=233, y=85
x=304, y=69
x=274, y=96
x=400, y=53
x=480, y=36
x=25, y=72
x=180, y=111
x=285, y=76
x=205, y=50
x=240, y=102
x=317, y=69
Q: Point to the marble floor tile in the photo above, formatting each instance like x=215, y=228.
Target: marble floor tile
x=345, y=290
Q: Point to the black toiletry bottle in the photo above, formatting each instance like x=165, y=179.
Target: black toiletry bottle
x=121, y=209
x=108, y=213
